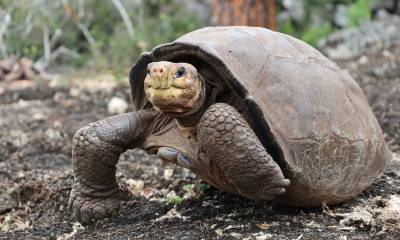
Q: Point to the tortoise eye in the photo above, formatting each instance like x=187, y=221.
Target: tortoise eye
x=180, y=72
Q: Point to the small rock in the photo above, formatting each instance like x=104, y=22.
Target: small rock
x=391, y=211
x=168, y=173
x=219, y=231
x=232, y=227
x=135, y=186
x=299, y=237
x=340, y=16
x=360, y=217
x=117, y=105
x=75, y=228
x=376, y=211
x=236, y=235
x=20, y=174
x=363, y=60
x=53, y=134
x=295, y=9
x=74, y=92
x=59, y=96
x=173, y=213
x=148, y=192
x=262, y=236
x=38, y=116
x=7, y=203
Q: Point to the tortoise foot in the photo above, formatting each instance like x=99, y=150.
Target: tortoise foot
x=88, y=210
x=232, y=157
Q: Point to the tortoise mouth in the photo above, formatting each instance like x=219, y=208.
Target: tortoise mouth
x=174, y=100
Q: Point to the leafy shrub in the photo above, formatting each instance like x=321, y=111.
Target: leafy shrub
x=359, y=12
x=317, y=21
x=92, y=31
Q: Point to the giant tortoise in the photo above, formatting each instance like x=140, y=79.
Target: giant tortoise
x=250, y=111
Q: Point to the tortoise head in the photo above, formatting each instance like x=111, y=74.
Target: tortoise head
x=174, y=88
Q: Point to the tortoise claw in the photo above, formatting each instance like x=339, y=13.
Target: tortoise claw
x=172, y=155
x=168, y=154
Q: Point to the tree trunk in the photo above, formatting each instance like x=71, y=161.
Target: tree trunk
x=258, y=13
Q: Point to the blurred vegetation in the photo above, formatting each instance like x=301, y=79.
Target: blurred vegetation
x=359, y=12
x=317, y=21
x=90, y=31
x=97, y=34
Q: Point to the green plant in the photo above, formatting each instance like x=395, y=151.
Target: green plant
x=287, y=27
x=317, y=21
x=188, y=188
x=174, y=200
x=359, y=12
x=202, y=187
x=312, y=34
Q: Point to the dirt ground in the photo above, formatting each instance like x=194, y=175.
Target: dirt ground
x=163, y=201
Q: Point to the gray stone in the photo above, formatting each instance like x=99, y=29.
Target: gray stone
x=295, y=8
x=371, y=36
x=340, y=15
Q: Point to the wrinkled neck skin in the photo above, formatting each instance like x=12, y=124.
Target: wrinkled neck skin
x=191, y=118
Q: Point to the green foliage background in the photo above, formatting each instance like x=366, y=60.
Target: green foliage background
x=153, y=21
x=311, y=31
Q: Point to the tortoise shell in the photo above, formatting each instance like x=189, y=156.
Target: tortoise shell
x=310, y=115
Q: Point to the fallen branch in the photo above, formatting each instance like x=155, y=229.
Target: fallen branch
x=63, y=50
x=13, y=69
x=40, y=65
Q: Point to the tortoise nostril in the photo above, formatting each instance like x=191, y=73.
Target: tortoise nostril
x=157, y=71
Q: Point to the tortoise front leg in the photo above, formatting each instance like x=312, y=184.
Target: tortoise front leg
x=95, y=153
x=232, y=157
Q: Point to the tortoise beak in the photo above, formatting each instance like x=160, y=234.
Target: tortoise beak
x=159, y=76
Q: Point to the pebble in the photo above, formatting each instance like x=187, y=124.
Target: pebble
x=117, y=105
x=135, y=185
x=168, y=173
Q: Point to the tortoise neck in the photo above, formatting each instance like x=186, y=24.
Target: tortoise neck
x=193, y=117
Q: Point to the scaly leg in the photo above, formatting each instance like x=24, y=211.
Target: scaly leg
x=232, y=157
x=96, y=150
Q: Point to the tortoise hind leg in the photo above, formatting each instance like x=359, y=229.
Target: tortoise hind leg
x=232, y=157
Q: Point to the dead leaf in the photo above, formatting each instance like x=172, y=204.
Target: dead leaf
x=263, y=226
